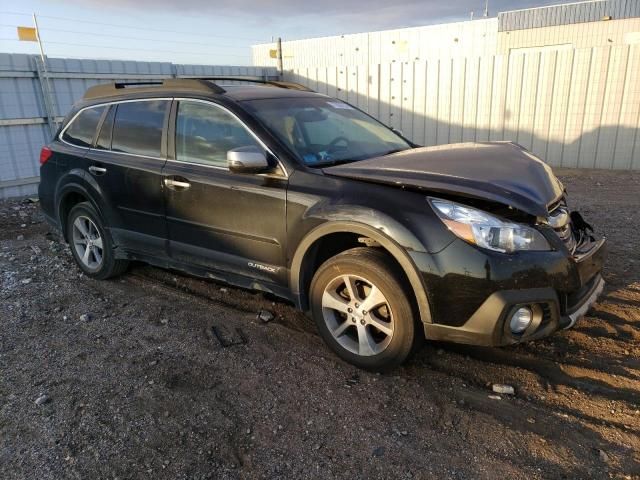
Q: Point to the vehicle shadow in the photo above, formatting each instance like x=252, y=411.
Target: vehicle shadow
x=550, y=373
x=571, y=431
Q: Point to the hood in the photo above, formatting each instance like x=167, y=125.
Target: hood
x=502, y=172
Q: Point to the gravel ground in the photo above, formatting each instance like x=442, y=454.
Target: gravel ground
x=159, y=375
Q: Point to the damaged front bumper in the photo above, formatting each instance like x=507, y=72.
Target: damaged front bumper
x=558, y=288
x=581, y=310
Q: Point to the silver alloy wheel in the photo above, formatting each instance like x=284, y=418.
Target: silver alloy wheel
x=358, y=315
x=87, y=242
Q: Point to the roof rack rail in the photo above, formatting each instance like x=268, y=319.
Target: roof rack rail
x=273, y=83
x=197, y=85
x=189, y=84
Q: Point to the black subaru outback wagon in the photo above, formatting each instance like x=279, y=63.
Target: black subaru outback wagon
x=277, y=188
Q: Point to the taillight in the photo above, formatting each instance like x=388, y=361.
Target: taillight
x=45, y=154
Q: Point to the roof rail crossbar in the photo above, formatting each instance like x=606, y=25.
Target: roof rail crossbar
x=273, y=83
x=182, y=84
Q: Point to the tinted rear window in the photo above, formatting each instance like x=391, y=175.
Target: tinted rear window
x=83, y=128
x=138, y=127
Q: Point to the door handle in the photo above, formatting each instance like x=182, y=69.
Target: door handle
x=176, y=184
x=97, y=170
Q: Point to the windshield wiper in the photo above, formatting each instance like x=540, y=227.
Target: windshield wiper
x=391, y=152
x=331, y=163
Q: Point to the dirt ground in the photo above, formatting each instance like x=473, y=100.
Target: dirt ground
x=136, y=378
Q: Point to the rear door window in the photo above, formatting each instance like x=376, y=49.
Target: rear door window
x=82, y=129
x=138, y=127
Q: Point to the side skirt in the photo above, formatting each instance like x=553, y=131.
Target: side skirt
x=228, y=278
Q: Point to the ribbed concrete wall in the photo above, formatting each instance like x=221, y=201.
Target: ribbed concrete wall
x=572, y=107
x=23, y=115
x=567, y=14
x=580, y=35
x=405, y=44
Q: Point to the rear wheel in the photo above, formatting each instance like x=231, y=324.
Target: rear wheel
x=359, y=304
x=91, y=247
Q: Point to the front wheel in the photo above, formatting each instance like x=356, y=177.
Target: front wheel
x=360, y=305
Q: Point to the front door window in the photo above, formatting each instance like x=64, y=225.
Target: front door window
x=205, y=133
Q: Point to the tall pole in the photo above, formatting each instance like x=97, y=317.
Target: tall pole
x=46, y=90
x=279, y=56
x=35, y=23
x=486, y=8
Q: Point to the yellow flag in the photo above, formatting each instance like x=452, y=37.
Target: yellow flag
x=27, y=34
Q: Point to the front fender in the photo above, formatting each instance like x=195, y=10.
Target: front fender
x=358, y=215
x=391, y=236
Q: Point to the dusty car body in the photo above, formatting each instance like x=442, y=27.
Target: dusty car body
x=472, y=243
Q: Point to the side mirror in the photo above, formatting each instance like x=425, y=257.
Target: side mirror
x=247, y=160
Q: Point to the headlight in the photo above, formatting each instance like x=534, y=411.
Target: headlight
x=487, y=231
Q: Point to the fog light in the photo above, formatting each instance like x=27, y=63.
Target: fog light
x=521, y=319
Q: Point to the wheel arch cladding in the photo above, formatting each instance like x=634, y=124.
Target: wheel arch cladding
x=302, y=263
x=75, y=190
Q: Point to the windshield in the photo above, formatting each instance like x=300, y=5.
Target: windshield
x=325, y=131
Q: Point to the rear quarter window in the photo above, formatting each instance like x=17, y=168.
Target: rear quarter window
x=104, y=137
x=82, y=128
x=138, y=127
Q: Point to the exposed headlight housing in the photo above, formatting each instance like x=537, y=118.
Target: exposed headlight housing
x=486, y=230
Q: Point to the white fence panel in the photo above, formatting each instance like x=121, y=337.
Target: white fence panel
x=578, y=89
x=572, y=108
x=407, y=98
x=627, y=144
x=544, y=104
x=419, y=102
x=611, y=106
x=559, y=107
x=432, y=92
x=499, y=97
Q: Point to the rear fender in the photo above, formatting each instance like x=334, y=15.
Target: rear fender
x=78, y=181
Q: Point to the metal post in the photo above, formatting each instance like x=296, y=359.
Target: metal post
x=46, y=85
x=35, y=23
x=279, y=56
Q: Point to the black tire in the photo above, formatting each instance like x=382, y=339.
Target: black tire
x=108, y=266
x=375, y=267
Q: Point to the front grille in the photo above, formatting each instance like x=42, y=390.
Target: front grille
x=566, y=235
x=560, y=221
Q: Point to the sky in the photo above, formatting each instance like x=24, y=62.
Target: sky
x=215, y=31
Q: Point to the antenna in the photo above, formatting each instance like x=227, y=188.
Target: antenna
x=486, y=8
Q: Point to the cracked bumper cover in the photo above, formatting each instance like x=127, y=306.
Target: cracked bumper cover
x=553, y=310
